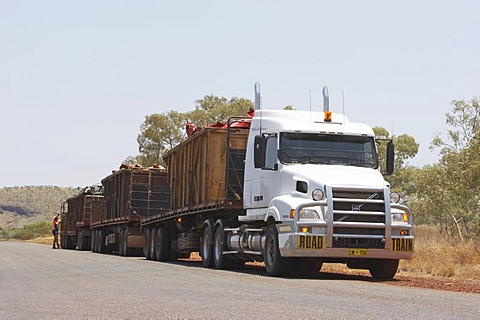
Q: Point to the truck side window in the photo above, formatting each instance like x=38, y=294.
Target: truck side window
x=271, y=153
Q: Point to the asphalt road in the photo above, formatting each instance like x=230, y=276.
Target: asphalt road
x=37, y=282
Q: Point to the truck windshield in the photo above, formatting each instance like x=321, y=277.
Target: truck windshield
x=316, y=148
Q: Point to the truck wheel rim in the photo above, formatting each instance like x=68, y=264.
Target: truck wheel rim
x=270, y=251
x=206, y=240
x=218, y=247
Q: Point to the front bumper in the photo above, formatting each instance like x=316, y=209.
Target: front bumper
x=307, y=245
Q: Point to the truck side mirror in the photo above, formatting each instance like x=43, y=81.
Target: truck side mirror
x=259, y=152
x=390, y=157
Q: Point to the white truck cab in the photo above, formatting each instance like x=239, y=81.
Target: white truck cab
x=313, y=178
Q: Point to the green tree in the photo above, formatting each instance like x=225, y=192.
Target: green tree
x=464, y=126
x=158, y=133
x=448, y=192
x=213, y=109
x=405, y=147
x=403, y=178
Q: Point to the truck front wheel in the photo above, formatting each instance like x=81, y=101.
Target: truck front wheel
x=275, y=264
x=383, y=268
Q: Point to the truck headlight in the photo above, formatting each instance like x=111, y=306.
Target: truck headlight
x=400, y=217
x=309, y=214
x=318, y=195
x=395, y=197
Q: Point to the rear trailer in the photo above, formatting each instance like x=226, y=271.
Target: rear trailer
x=77, y=214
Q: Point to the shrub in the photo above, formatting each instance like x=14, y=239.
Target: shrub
x=31, y=231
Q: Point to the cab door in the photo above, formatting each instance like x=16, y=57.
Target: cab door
x=266, y=181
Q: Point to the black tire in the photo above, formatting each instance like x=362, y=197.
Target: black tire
x=121, y=243
x=206, y=246
x=82, y=243
x=162, y=244
x=94, y=242
x=79, y=241
x=152, y=247
x=383, y=268
x=97, y=241
x=219, y=259
x=127, y=251
x=275, y=264
x=146, y=245
x=102, y=235
x=68, y=243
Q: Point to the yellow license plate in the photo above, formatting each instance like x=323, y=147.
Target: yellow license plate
x=402, y=245
x=357, y=252
x=310, y=242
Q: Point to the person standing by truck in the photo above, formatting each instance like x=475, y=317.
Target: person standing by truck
x=55, y=223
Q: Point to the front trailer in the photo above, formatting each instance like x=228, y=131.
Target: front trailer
x=205, y=176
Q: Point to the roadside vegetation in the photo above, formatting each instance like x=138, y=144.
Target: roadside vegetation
x=28, y=232
x=437, y=255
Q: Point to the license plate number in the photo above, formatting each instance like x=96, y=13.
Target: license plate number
x=310, y=242
x=357, y=252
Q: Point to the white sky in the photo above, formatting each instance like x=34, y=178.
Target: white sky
x=77, y=78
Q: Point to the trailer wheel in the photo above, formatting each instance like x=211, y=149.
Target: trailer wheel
x=275, y=264
x=95, y=248
x=96, y=241
x=162, y=244
x=151, y=246
x=68, y=243
x=125, y=250
x=122, y=243
x=82, y=241
x=219, y=259
x=146, y=245
x=206, y=247
x=93, y=244
x=102, y=248
x=79, y=241
x=383, y=268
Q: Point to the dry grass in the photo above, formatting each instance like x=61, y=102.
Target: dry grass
x=434, y=255
x=42, y=240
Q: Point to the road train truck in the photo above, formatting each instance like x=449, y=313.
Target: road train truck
x=294, y=189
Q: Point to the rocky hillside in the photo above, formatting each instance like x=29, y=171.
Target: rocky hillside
x=22, y=205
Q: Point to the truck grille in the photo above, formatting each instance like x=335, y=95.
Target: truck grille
x=358, y=218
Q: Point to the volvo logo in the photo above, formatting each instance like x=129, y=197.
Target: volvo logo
x=358, y=207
